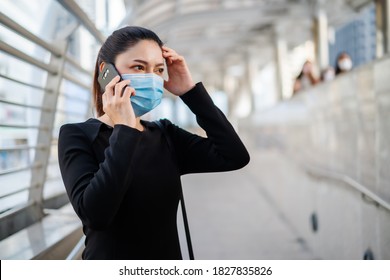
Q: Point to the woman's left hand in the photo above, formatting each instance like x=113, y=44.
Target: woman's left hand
x=179, y=76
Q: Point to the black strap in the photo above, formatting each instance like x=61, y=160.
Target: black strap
x=183, y=207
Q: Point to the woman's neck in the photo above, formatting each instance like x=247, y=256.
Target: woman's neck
x=106, y=119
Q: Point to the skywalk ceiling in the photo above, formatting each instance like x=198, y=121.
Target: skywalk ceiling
x=212, y=31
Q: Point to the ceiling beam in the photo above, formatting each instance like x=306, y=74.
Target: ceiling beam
x=72, y=7
x=215, y=16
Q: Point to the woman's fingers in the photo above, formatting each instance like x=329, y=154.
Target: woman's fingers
x=166, y=50
x=116, y=102
x=171, y=55
x=120, y=87
x=120, y=93
x=128, y=92
x=117, y=89
x=104, y=100
x=175, y=58
x=179, y=77
x=110, y=86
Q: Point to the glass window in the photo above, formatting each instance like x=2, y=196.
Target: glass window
x=357, y=38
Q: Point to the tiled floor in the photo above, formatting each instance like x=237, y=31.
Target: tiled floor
x=231, y=217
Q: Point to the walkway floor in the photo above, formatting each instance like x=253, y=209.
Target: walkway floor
x=232, y=217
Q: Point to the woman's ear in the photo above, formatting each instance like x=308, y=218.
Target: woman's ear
x=101, y=66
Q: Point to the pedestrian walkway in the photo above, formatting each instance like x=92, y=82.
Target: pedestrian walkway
x=231, y=216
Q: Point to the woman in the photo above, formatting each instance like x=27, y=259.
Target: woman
x=306, y=78
x=121, y=175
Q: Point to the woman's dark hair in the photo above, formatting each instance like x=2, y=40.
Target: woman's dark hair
x=118, y=42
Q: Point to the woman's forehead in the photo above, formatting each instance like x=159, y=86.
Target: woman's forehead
x=146, y=50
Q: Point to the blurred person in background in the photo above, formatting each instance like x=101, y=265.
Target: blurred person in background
x=343, y=63
x=328, y=74
x=306, y=78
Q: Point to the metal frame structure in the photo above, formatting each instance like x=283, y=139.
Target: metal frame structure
x=23, y=215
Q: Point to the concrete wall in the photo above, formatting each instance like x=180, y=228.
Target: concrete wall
x=342, y=128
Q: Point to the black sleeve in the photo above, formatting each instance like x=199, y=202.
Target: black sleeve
x=222, y=150
x=96, y=190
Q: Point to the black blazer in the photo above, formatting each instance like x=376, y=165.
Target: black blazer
x=125, y=184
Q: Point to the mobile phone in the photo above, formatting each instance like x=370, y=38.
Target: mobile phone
x=106, y=75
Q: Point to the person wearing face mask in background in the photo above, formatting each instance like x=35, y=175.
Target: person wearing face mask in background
x=328, y=74
x=306, y=78
x=344, y=63
x=121, y=173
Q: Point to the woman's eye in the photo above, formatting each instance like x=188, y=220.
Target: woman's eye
x=160, y=70
x=138, y=67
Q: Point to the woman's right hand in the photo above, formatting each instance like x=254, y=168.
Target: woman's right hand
x=116, y=102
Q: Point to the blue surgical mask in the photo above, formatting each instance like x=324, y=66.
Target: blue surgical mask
x=149, y=89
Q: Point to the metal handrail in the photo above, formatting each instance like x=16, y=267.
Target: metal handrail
x=65, y=112
x=4, y=101
x=67, y=96
x=77, y=249
x=23, y=148
x=27, y=58
x=53, y=178
x=67, y=76
x=31, y=60
x=16, y=192
x=19, y=169
x=17, y=208
x=74, y=80
x=74, y=63
x=321, y=172
x=25, y=84
x=17, y=28
x=24, y=126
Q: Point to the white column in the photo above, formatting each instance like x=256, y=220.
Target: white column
x=249, y=76
x=387, y=25
x=228, y=88
x=321, y=38
x=382, y=27
x=280, y=47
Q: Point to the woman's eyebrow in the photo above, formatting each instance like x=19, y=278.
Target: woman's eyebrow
x=146, y=63
x=141, y=61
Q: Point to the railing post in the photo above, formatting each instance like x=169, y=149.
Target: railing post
x=47, y=119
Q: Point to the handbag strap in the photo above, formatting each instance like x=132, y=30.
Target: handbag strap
x=183, y=207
